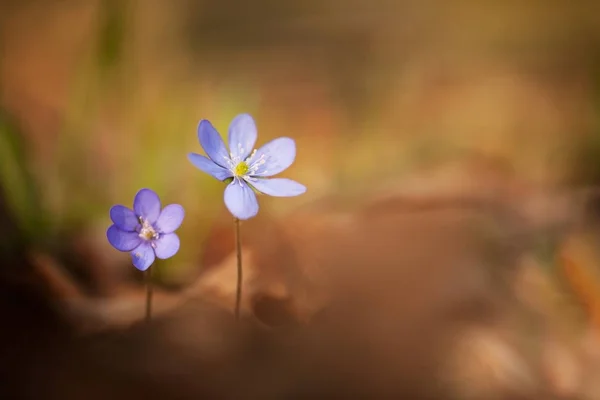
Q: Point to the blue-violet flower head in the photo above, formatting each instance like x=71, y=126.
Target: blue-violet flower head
x=146, y=231
x=247, y=169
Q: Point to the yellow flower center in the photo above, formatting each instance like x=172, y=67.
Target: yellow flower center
x=147, y=232
x=241, y=169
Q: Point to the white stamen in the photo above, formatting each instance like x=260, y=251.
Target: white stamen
x=254, y=163
x=147, y=231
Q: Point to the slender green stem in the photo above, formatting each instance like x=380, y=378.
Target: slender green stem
x=238, y=250
x=149, y=292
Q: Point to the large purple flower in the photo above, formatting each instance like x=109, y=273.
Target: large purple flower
x=246, y=169
x=146, y=231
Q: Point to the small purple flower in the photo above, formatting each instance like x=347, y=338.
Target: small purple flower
x=246, y=169
x=146, y=231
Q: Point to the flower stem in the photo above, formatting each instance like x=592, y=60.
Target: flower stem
x=238, y=250
x=149, y=292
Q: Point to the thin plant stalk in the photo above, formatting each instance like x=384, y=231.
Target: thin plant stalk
x=238, y=250
x=149, y=293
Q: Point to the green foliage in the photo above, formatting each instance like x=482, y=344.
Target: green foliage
x=112, y=33
x=18, y=182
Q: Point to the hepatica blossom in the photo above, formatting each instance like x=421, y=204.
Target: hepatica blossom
x=247, y=169
x=147, y=232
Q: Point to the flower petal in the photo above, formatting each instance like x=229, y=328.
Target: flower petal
x=279, y=187
x=143, y=256
x=147, y=205
x=170, y=218
x=124, y=218
x=242, y=136
x=276, y=156
x=240, y=200
x=213, y=145
x=122, y=240
x=166, y=246
x=209, y=166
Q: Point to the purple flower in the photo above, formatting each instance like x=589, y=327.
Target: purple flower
x=146, y=231
x=246, y=169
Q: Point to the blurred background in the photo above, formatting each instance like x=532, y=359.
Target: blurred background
x=100, y=98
